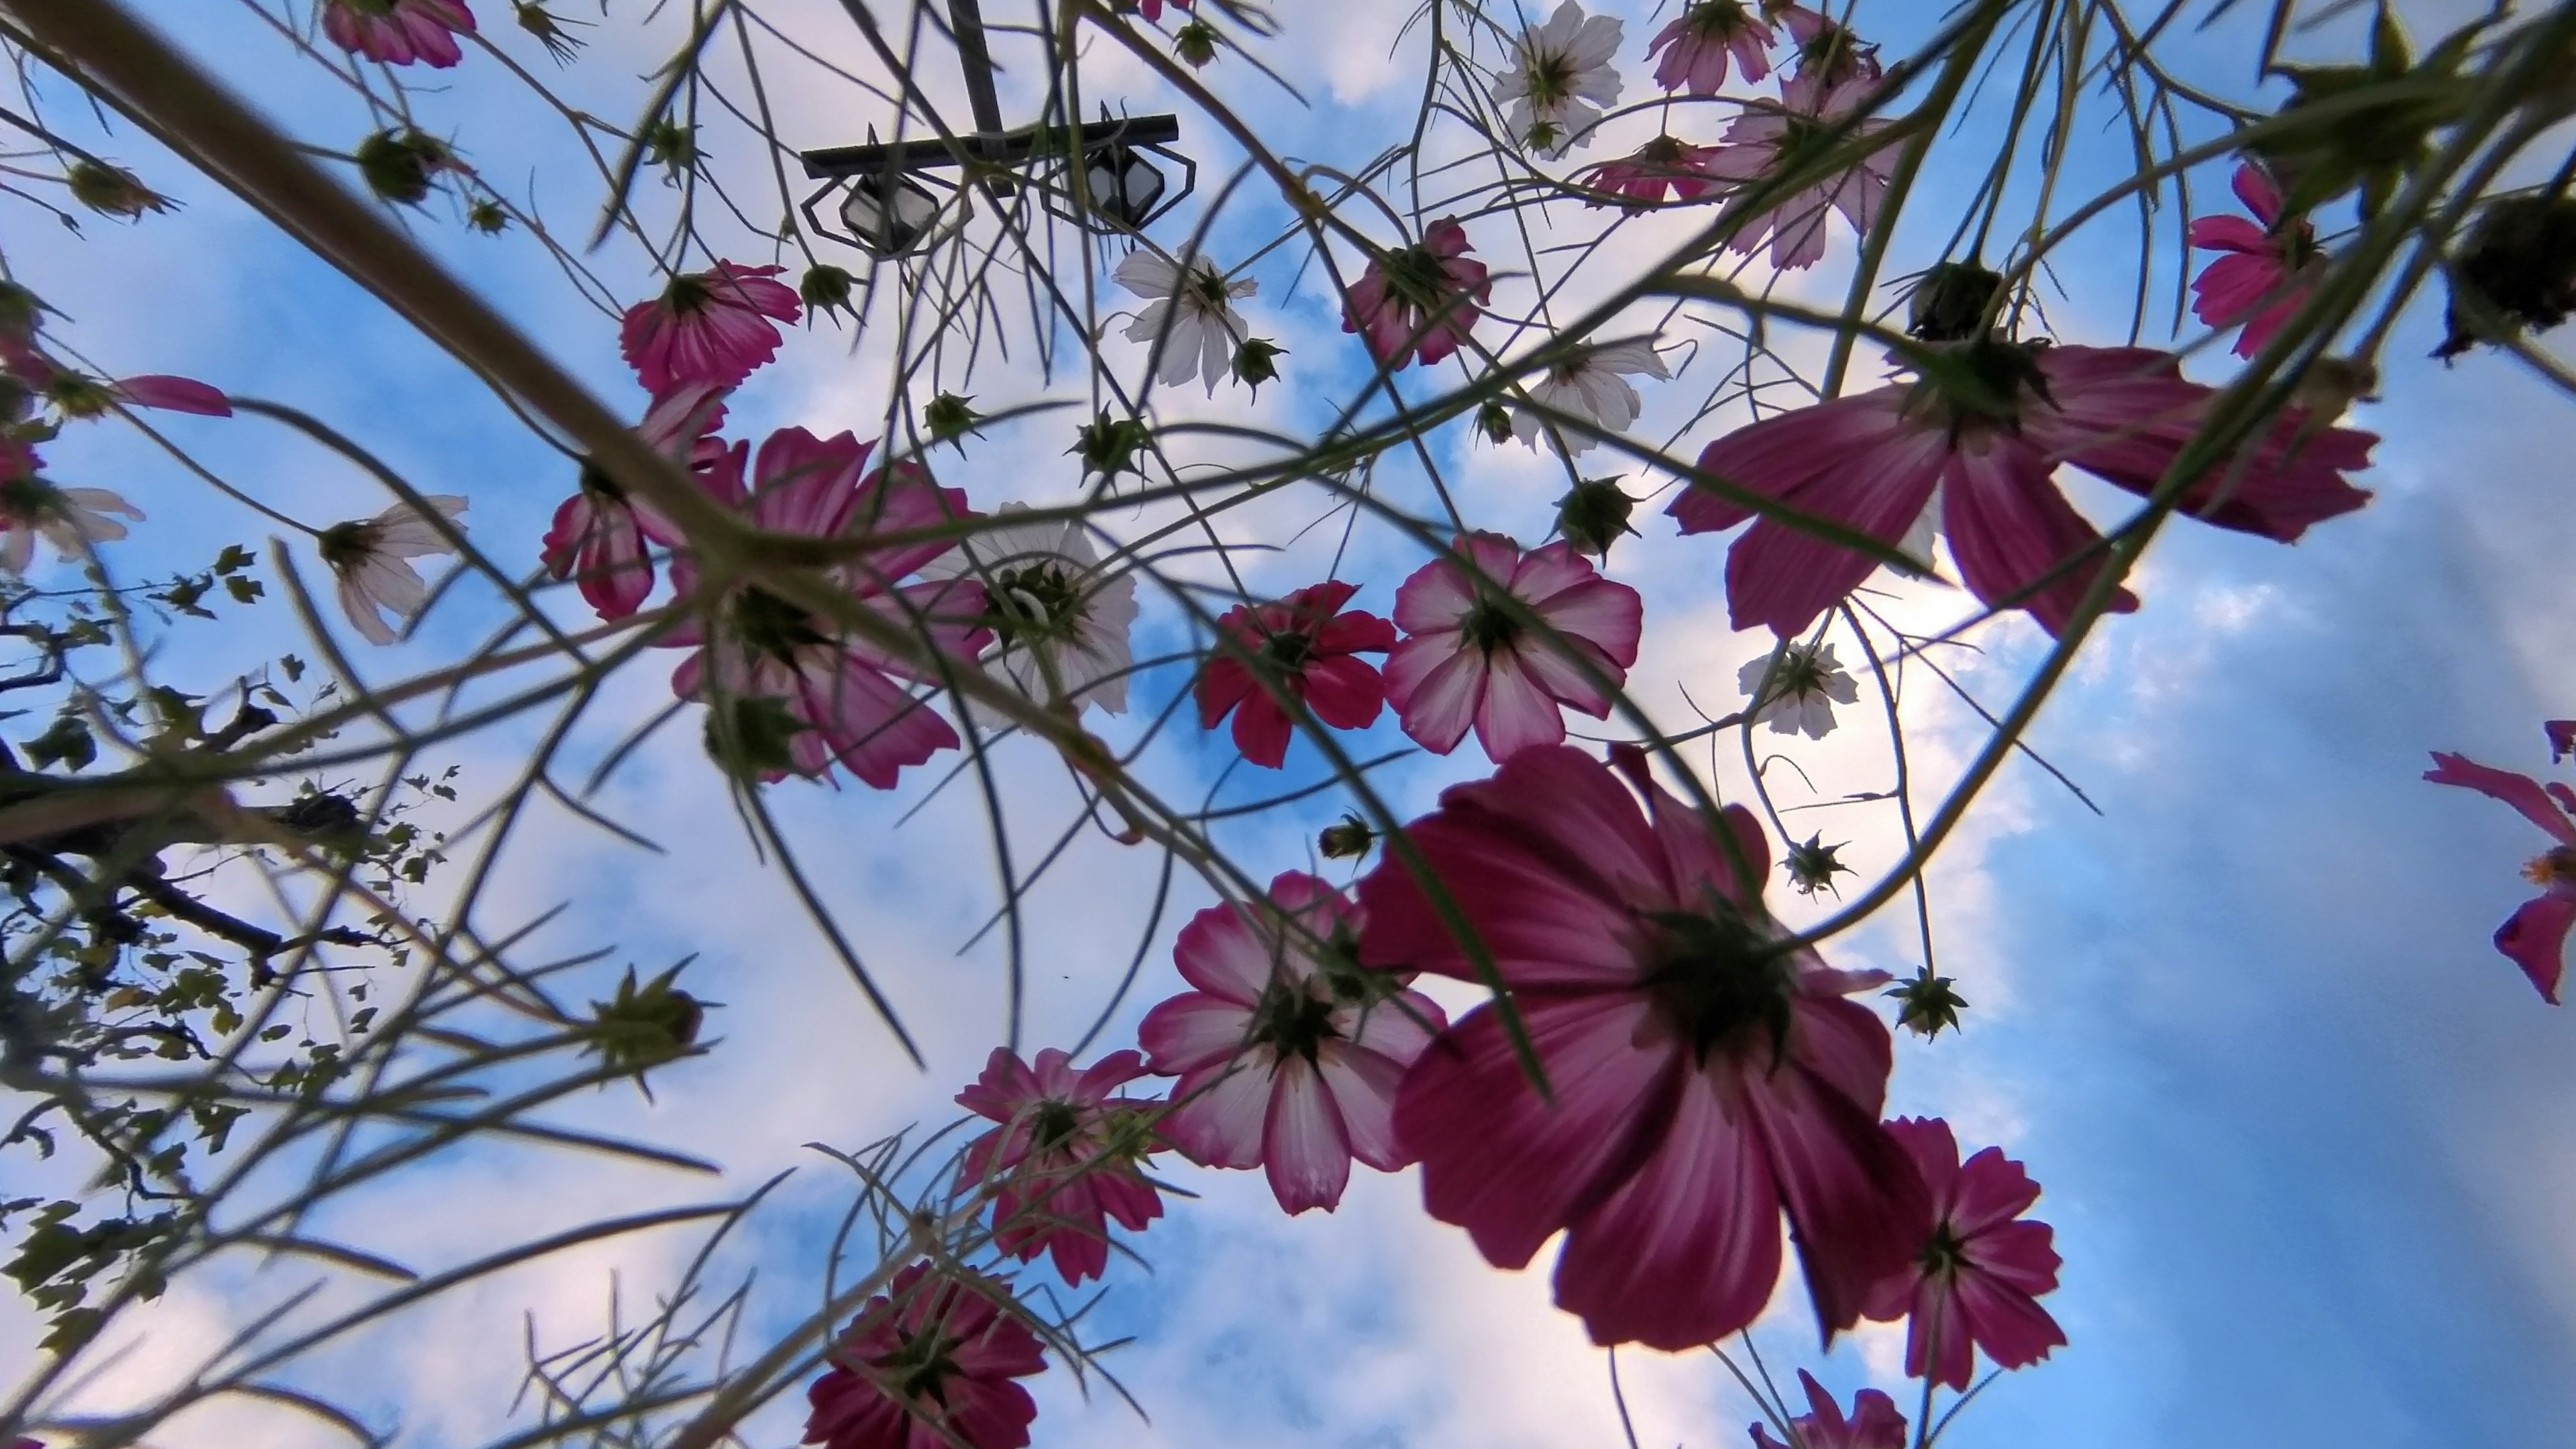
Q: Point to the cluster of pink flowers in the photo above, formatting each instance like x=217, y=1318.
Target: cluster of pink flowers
x=790, y=689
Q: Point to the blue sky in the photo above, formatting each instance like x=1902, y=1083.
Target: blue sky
x=2299, y=1126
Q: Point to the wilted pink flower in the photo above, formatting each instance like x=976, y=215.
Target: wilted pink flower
x=2535, y=936
x=1664, y=166
x=1828, y=53
x=1698, y=45
x=798, y=693
x=929, y=1365
x=1064, y=1162
x=78, y=396
x=601, y=538
x=1419, y=301
x=73, y=520
x=1288, y=1053
x=2268, y=271
x=1309, y=648
x=1981, y=461
x=399, y=32
x=711, y=327
x=2562, y=738
x=1468, y=660
x=1874, y=1422
x=173, y=394
x=1978, y=1275
x=1705, y=1078
x=1764, y=142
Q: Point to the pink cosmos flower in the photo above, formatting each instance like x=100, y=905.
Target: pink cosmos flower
x=1664, y=166
x=929, y=1365
x=1288, y=1053
x=711, y=327
x=1705, y=1078
x=2268, y=270
x=2535, y=936
x=1419, y=301
x=1063, y=1162
x=1467, y=660
x=399, y=32
x=797, y=693
x=1981, y=463
x=1981, y=1269
x=1874, y=1422
x=1828, y=53
x=601, y=538
x=1764, y=141
x=1698, y=45
x=1309, y=648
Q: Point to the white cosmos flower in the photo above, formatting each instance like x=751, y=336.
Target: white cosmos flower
x=1061, y=625
x=1591, y=385
x=1561, y=81
x=1191, y=313
x=371, y=555
x=71, y=519
x=1804, y=687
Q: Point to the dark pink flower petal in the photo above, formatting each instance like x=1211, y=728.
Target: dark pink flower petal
x=1974, y=1285
x=2562, y=738
x=2535, y=939
x=174, y=394
x=399, y=32
x=2010, y=529
x=1874, y=1422
x=1305, y=646
x=2521, y=792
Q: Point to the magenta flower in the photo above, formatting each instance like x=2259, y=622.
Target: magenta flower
x=2535, y=936
x=795, y=692
x=1419, y=301
x=1698, y=45
x=1309, y=648
x=711, y=327
x=1467, y=659
x=1705, y=1079
x=1152, y=10
x=1289, y=1054
x=399, y=32
x=1763, y=141
x=2562, y=738
x=1978, y=1275
x=1664, y=166
x=929, y=1366
x=601, y=538
x=1065, y=1160
x=2268, y=270
x=173, y=394
x=1981, y=464
x=1874, y=1422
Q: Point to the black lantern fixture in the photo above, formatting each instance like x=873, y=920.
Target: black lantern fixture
x=1100, y=176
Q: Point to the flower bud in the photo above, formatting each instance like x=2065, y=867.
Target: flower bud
x=396, y=165
x=750, y=737
x=1108, y=446
x=113, y=190
x=1256, y=362
x=826, y=288
x=1347, y=839
x=1595, y=515
x=645, y=1026
x=1195, y=44
x=1495, y=421
x=1950, y=301
x=1813, y=866
x=487, y=217
x=1927, y=1003
x=948, y=419
x=668, y=143
x=535, y=19
x=2331, y=385
x=2517, y=272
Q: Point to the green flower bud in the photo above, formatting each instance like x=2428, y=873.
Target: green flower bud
x=1347, y=839
x=645, y=1026
x=1950, y=301
x=396, y=165
x=826, y=288
x=948, y=419
x=1195, y=43
x=1108, y=446
x=1595, y=515
x=487, y=217
x=1256, y=362
x=113, y=191
x=1927, y=1003
x=1495, y=421
x=1813, y=866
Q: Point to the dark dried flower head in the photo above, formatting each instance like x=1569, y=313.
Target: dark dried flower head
x=1348, y=838
x=2517, y=273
